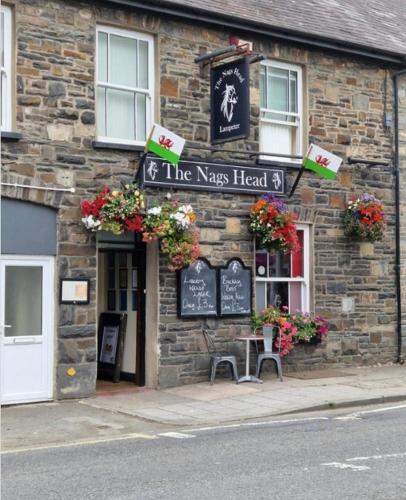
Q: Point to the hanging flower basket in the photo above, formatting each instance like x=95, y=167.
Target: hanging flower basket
x=121, y=211
x=364, y=218
x=115, y=211
x=172, y=224
x=273, y=225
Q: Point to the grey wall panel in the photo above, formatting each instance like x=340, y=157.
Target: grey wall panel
x=27, y=228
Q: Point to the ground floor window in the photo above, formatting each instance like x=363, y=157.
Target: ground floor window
x=282, y=280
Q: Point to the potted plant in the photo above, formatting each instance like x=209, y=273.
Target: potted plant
x=273, y=225
x=364, y=218
x=298, y=328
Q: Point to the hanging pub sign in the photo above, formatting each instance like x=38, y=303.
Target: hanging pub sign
x=230, y=106
x=208, y=176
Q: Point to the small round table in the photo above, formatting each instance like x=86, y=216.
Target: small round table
x=247, y=377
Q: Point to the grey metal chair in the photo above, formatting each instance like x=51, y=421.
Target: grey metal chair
x=268, y=351
x=217, y=357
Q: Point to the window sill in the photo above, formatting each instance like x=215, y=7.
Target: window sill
x=284, y=164
x=116, y=146
x=8, y=136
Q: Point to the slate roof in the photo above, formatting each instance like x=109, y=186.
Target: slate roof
x=375, y=24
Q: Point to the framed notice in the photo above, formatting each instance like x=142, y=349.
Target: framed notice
x=110, y=337
x=74, y=291
x=109, y=344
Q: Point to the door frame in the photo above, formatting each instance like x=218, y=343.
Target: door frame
x=139, y=249
x=48, y=313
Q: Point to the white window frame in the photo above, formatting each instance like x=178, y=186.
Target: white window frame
x=299, y=115
x=305, y=279
x=6, y=75
x=149, y=93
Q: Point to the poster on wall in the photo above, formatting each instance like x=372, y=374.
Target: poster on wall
x=109, y=344
x=230, y=106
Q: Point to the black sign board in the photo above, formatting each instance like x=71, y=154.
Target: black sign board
x=235, y=289
x=206, y=176
x=230, y=103
x=197, y=290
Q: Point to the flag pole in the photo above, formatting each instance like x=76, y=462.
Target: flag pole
x=299, y=175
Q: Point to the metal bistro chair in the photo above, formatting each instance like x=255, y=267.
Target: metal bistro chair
x=216, y=358
x=268, y=352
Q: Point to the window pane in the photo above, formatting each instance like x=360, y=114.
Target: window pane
x=23, y=301
x=142, y=64
x=2, y=39
x=295, y=297
x=141, y=110
x=293, y=92
x=278, y=89
x=123, y=61
x=262, y=87
x=123, y=300
x=120, y=114
x=297, y=258
x=101, y=111
x=261, y=263
x=276, y=138
x=278, y=294
x=279, y=265
x=260, y=296
x=102, y=57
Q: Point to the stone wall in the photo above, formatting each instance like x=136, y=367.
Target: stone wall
x=55, y=112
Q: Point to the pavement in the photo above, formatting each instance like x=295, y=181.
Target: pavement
x=140, y=412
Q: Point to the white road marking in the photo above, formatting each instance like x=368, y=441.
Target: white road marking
x=378, y=457
x=339, y=465
x=176, y=435
x=254, y=424
x=357, y=415
x=135, y=435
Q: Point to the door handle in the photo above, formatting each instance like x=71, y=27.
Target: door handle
x=25, y=340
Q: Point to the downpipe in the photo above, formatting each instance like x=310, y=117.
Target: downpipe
x=399, y=358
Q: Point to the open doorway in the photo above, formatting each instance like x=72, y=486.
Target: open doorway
x=121, y=290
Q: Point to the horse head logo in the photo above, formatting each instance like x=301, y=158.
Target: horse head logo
x=152, y=170
x=229, y=99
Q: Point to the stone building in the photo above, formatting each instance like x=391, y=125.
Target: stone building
x=82, y=84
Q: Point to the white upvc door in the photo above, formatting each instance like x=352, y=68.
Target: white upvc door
x=26, y=328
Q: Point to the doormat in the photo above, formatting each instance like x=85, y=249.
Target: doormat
x=312, y=374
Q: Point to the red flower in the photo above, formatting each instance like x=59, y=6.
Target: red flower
x=135, y=224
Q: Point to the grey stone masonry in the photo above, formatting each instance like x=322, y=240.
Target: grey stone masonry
x=344, y=99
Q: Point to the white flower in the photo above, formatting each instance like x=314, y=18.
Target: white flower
x=154, y=211
x=91, y=223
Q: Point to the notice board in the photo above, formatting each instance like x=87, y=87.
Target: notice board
x=197, y=290
x=235, y=289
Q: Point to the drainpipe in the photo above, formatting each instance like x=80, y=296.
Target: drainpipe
x=395, y=77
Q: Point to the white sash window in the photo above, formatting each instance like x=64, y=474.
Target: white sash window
x=281, y=109
x=283, y=280
x=124, y=89
x=6, y=79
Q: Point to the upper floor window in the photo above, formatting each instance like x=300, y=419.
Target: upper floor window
x=125, y=79
x=281, y=109
x=283, y=280
x=6, y=79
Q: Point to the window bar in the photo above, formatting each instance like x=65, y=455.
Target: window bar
x=135, y=116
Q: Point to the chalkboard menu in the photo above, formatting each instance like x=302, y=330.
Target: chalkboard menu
x=197, y=290
x=235, y=289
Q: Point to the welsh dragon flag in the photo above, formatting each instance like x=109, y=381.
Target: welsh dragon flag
x=322, y=162
x=165, y=144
